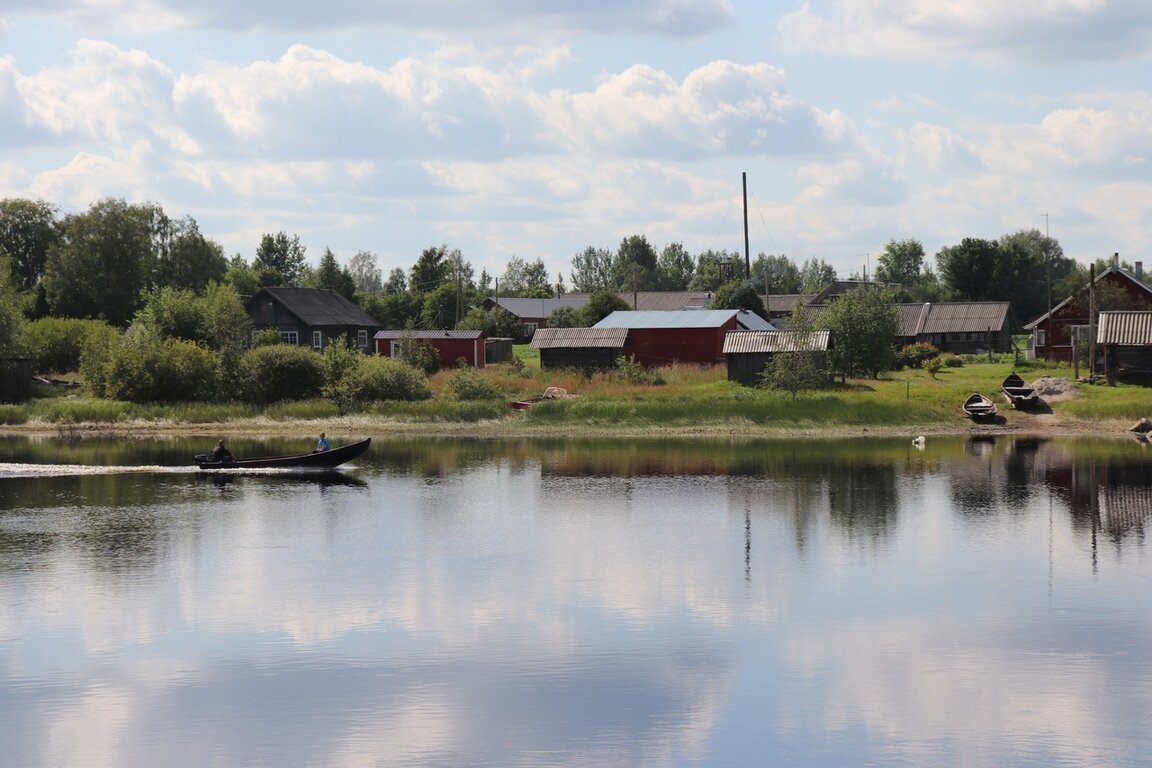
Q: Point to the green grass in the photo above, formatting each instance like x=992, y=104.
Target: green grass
x=689, y=396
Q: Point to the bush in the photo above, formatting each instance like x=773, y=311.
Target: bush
x=634, y=373
x=914, y=355
x=144, y=368
x=95, y=352
x=951, y=361
x=383, y=378
x=269, y=374
x=469, y=384
x=55, y=343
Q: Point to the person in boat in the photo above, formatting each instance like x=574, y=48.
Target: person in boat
x=322, y=444
x=220, y=454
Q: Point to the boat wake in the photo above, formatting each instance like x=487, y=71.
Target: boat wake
x=68, y=470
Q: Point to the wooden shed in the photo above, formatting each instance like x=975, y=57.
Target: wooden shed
x=1125, y=339
x=450, y=346
x=587, y=349
x=748, y=353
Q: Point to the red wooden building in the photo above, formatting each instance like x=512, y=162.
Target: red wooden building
x=689, y=336
x=449, y=345
x=1052, y=333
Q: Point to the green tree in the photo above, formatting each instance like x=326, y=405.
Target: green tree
x=863, y=324
x=497, y=323
x=738, y=294
x=331, y=276
x=430, y=270
x=280, y=259
x=776, y=274
x=441, y=307
x=600, y=304
x=714, y=268
x=11, y=316
x=188, y=259
x=564, y=317
x=365, y=274
x=591, y=270
x=815, y=275
x=28, y=228
x=242, y=277
x=796, y=369
x=675, y=267
x=900, y=262
x=397, y=281
x=525, y=278
x=968, y=269
x=394, y=310
x=101, y=263
x=634, y=268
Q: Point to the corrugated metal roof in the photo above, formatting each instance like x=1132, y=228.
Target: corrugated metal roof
x=688, y=318
x=1126, y=328
x=316, y=306
x=566, y=338
x=953, y=317
x=391, y=334
x=762, y=342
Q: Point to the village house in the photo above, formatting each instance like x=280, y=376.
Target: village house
x=958, y=327
x=689, y=336
x=311, y=316
x=1057, y=334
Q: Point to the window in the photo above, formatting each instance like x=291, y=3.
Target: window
x=529, y=329
x=1041, y=337
x=290, y=337
x=362, y=340
x=317, y=340
x=395, y=348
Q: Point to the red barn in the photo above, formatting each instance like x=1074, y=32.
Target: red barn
x=450, y=345
x=688, y=336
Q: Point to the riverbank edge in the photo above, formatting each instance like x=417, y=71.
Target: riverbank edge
x=366, y=426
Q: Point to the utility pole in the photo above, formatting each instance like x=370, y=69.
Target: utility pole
x=1048, y=267
x=747, y=256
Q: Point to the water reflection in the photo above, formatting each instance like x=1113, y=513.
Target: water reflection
x=551, y=602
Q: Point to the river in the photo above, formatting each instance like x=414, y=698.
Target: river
x=550, y=602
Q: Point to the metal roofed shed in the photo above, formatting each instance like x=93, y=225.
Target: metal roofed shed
x=748, y=353
x=1125, y=339
x=582, y=348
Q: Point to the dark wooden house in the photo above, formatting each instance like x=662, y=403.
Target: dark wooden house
x=748, y=353
x=534, y=313
x=1124, y=339
x=311, y=316
x=689, y=336
x=1056, y=333
x=587, y=349
x=958, y=327
x=450, y=346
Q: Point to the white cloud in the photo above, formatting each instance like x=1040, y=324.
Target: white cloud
x=987, y=31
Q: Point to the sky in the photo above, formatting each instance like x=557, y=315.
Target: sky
x=538, y=128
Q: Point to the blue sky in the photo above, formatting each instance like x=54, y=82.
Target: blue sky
x=537, y=128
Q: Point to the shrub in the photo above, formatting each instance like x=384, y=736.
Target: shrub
x=55, y=343
x=269, y=374
x=95, y=352
x=143, y=368
x=469, y=384
x=634, y=373
x=951, y=361
x=933, y=365
x=914, y=355
x=383, y=378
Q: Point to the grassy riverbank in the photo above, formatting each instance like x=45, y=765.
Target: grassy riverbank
x=687, y=400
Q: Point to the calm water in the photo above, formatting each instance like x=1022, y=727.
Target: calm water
x=561, y=603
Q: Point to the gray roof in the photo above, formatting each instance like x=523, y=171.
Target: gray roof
x=953, y=317
x=538, y=308
x=427, y=335
x=563, y=338
x=688, y=318
x=762, y=342
x=317, y=306
x=648, y=301
x=1125, y=328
